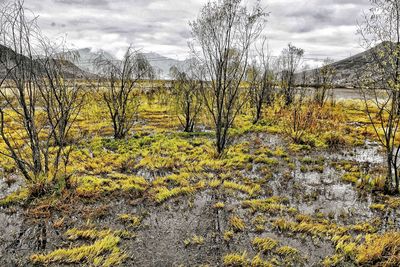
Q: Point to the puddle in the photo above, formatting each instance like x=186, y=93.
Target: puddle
x=369, y=153
x=312, y=192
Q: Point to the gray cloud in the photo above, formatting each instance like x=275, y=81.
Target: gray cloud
x=322, y=27
x=102, y=3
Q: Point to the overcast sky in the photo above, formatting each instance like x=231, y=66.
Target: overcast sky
x=323, y=28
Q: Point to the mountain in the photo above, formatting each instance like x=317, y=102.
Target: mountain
x=69, y=69
x=160, y=64
x=347, y=70
x=86, y=58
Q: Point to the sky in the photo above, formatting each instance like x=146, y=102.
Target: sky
x=323, y=28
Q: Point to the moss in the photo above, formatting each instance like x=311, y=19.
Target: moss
x=194, y=240
x=132, y=220
x=129, y=182
x=380, y=250
x=351, y=177
x=248, y=189
x=219, y=205
x=264, y=244
x=393, y=202
x=257, y=261
x=259, y=223
x=91, y=234
x=280, y=152
x=345, y=245
x=271, y=205
x=228, y=235
x=298, y=147
x=306, y=224
x=303, y=169
x=103, y=252
x=363, y=227
x=266, y=160
x=334, y=260
x=334, y=139
x=291, y=166
x=259, y=228
x=89, y=186
x=259, y=219
x=282, y=224
x=164, y=193
x=307, y=160
x=287, y=251
x=181, y=179
x=237, y=157
x=214, y=183
x=237, y=223
x=235, y=259
x=17, y=197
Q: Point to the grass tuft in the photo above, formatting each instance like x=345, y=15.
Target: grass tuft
x=104, y=252
x=264, y=244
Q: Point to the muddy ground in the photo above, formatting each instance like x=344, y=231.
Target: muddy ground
x=160, y=239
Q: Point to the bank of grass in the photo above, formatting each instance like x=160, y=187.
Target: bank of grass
x=103, y=252
x=157, y=145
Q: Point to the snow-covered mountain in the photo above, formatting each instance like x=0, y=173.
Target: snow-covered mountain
x=161, y=64
x=86, y=59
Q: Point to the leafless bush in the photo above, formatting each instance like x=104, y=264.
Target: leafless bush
x=262, y=77
x=187, y=93
x=120, y=80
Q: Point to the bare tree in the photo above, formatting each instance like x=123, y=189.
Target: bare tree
x=61, y=97
x=262, y=80
x=19, y=96
x=29, y=101
x=289, y=60
x=324, y=78
x=305, y=79
x=380, y=81
x=187, y=93
x=120, y=79
x=224, y=31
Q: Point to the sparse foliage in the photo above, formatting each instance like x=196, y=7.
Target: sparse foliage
x=262, y=79
x=187, y=93
x=380, y=81
x=38, y=107
x=224, y=31
x=324, y=78
x=120, y=81
x=289, y=61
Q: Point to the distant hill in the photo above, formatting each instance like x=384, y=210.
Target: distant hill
x=70, y=70
x=160, y=64
x=86, y=58
x=347, y=70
